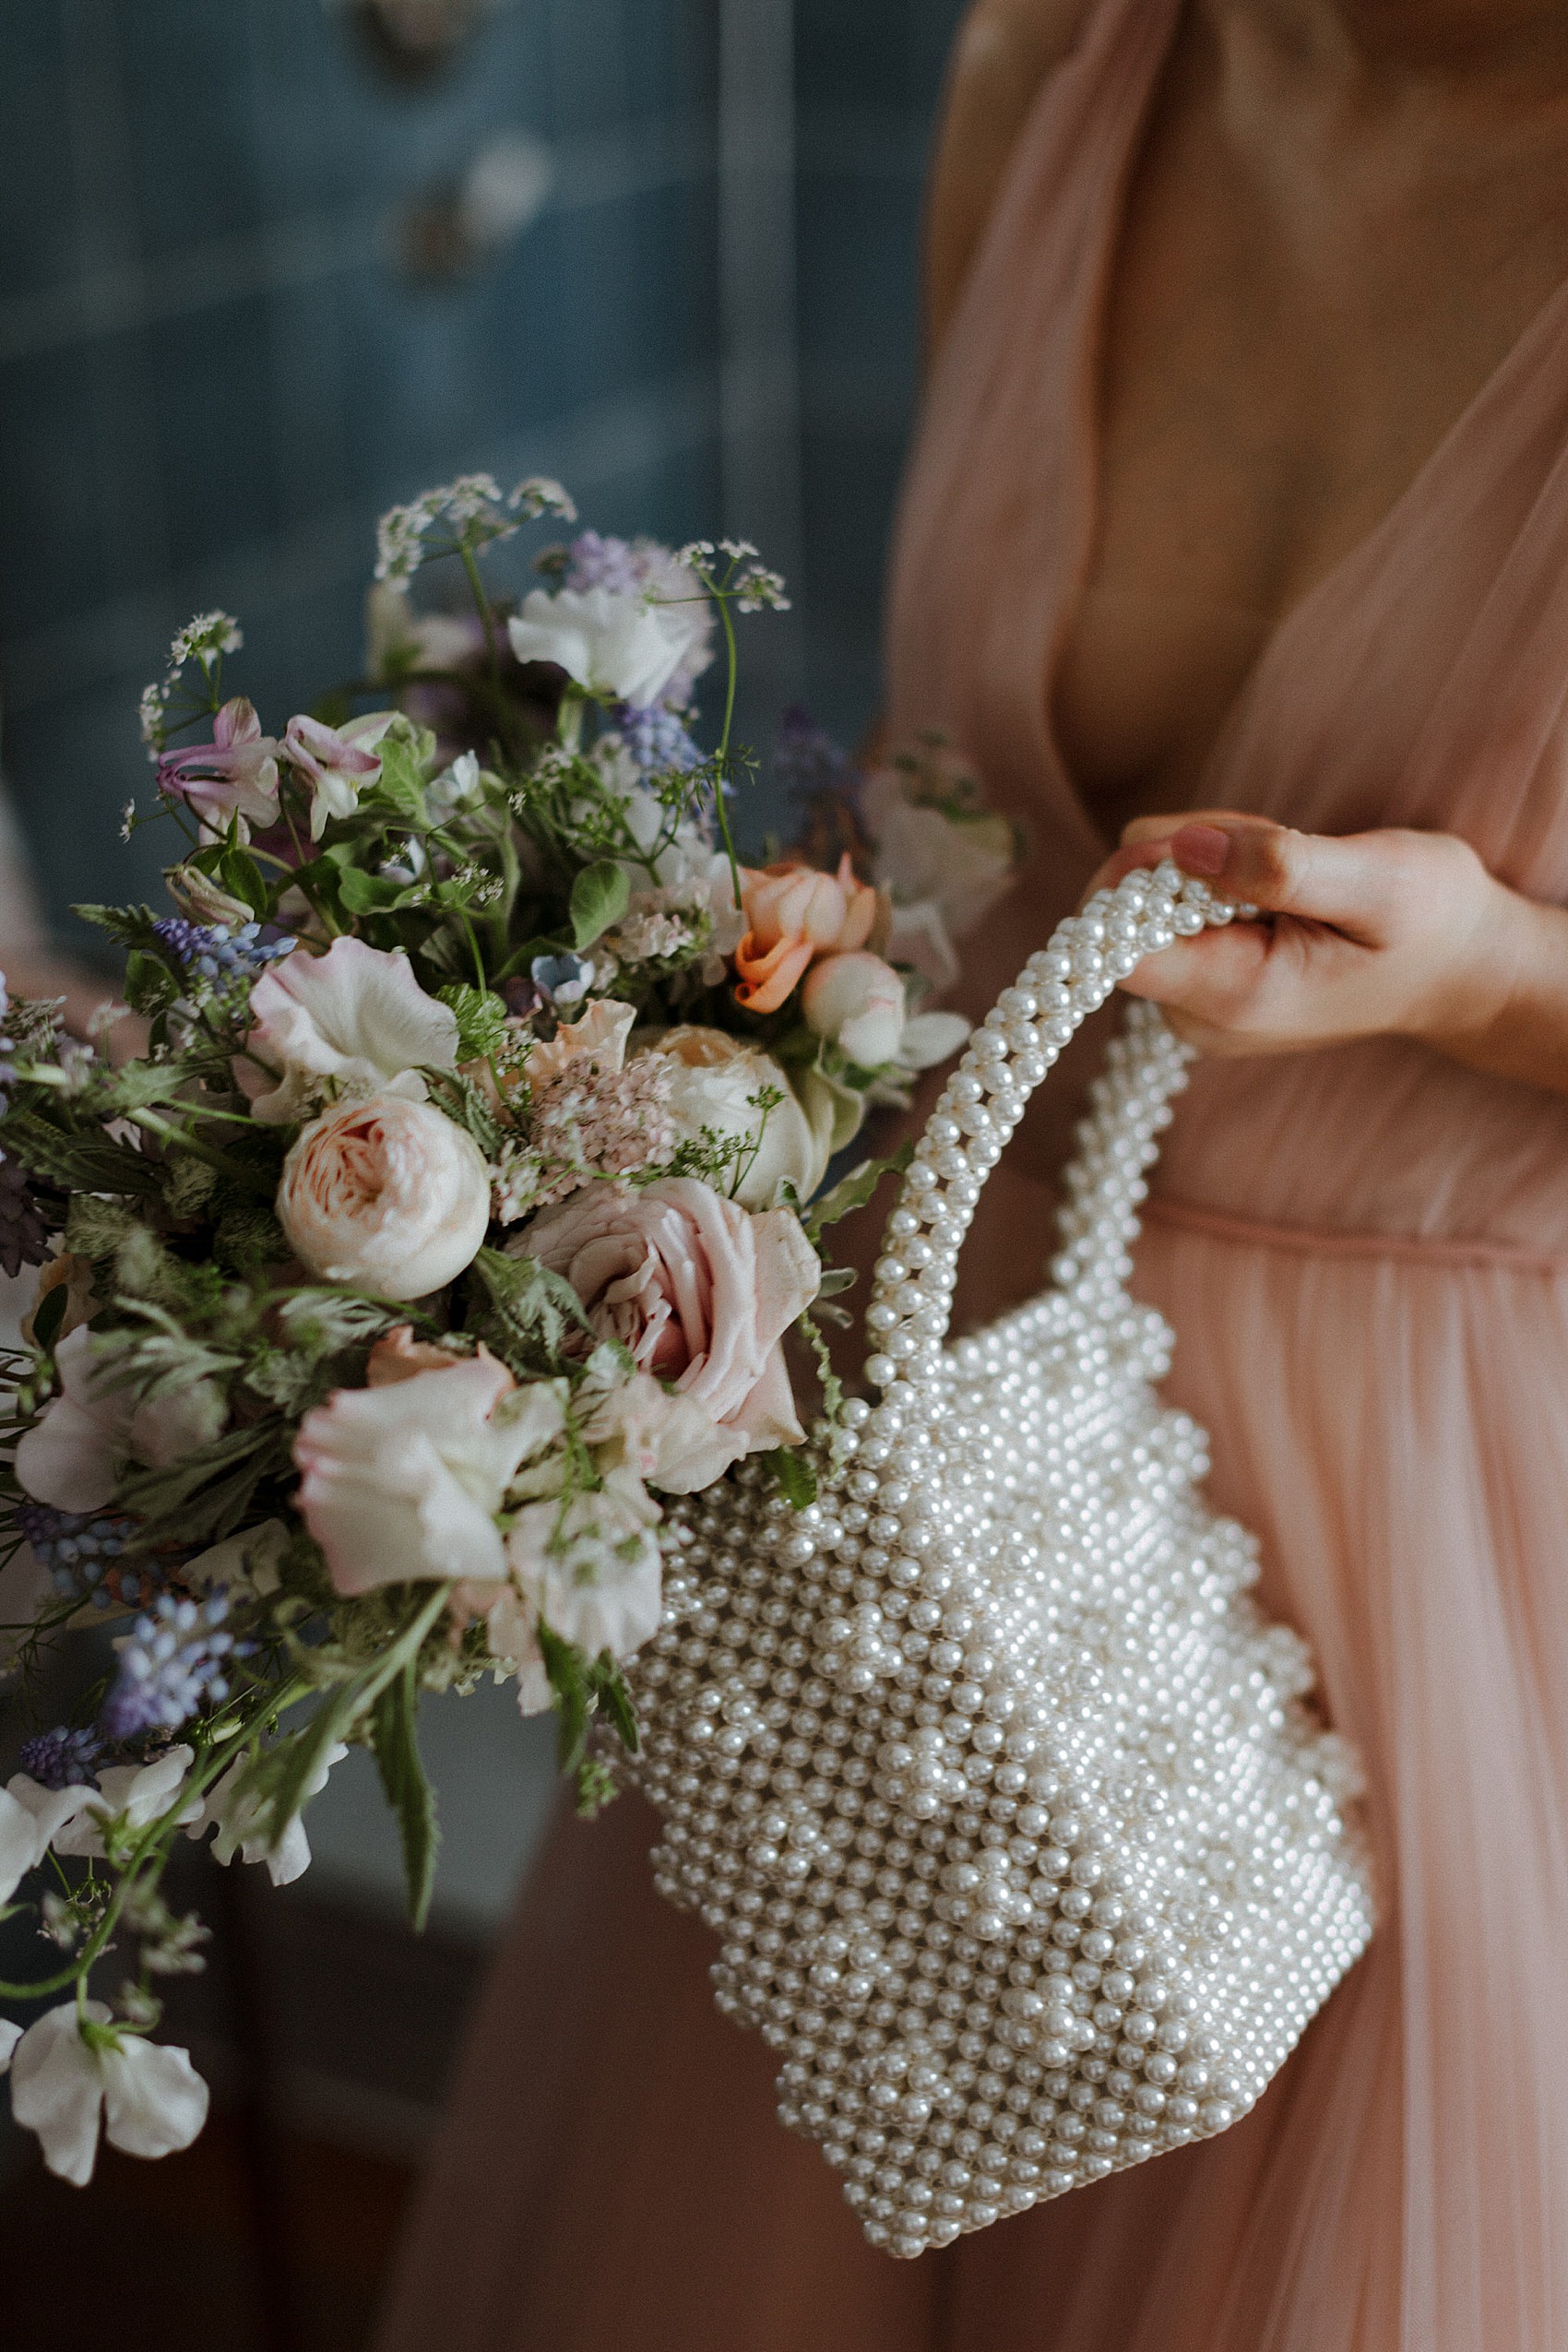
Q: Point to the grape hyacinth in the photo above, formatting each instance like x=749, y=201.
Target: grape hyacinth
x=219, y=952
x=176, y=1659
x=77, y=1550
x=658, y=739
x=62, y=1758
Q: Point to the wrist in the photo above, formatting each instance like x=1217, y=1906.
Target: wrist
x=1503, y=1007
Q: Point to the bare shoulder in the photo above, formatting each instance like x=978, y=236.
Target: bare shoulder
x=1005, y=51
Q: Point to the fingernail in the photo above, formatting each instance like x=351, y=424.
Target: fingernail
x=1202, y=848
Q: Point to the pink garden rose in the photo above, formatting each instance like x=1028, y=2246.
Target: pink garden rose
x=389, y=1195
x=401, y=1484
x=701, y=1294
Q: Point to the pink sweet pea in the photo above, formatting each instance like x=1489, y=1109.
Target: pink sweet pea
x=235, y=775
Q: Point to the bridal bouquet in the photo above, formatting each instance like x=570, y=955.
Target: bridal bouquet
x=456, y=1210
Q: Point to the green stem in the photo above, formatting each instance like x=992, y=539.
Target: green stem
x=721, y=761
x=167, y=1131
x=487, y=619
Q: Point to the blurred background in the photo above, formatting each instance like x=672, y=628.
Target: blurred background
x=266, y=267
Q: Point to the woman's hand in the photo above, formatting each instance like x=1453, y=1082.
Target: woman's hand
x=1371, y=934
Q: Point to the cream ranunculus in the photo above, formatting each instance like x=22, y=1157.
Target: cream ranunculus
x=625, y=646
x=700, y=1294
x=354, y=1021
x=401, y=1483
x=389, y=1195
x=858, y=1001
x=717, y=1081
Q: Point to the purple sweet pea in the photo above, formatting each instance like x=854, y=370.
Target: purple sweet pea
x=336, y=762
x=235, y=775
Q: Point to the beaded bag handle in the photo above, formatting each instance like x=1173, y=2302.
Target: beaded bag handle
x=984, y=1099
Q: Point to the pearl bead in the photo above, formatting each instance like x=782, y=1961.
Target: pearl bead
x=1021, y=1851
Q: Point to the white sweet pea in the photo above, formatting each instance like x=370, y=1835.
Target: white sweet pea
x=246, y=1562
x=32, y=1818
x=74, y=1454
x=592, y=1573
x=403, y=1484
x=237, y=1816
x=70, y=2068
x=930, y=1037
x=624, y=646
x=141, y=1793
x=961, y=863
x=354, y=1022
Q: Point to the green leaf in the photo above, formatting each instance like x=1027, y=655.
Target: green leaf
x=50, y=1314
x=409, y=1792
x=208, y=1490
x=616, y=1701
x=530, y=1308
x=571, y=1694
x=793, y=1474
x=854, y=1190
x=400, y=781
x=368, y=894
x=81, y=1163
x=599, y=899
x=149, y=987
x=482, y=1017
x=243, y=878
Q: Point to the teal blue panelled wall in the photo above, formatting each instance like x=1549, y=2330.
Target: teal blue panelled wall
x=216, y=369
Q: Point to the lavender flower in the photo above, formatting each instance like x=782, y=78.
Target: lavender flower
x=175, y=1660
x=77, y=1550
x=219, y=952
x=62, y=1758
x=658, y=739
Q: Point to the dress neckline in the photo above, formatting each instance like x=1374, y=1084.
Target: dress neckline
x=1086, y=437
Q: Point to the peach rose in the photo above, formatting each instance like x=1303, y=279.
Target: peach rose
x=388, y=1195
x=794, y=913
x=701, y=1294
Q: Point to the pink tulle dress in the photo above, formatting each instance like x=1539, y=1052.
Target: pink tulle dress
x=1364, y=1253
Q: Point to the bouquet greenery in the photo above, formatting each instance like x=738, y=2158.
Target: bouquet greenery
x=456, y=1209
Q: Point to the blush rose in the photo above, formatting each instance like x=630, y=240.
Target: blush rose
x=700, y=1293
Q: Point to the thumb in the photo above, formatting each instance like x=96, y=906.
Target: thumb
x=1318, y=877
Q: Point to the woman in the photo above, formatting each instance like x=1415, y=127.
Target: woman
x=1240, y=504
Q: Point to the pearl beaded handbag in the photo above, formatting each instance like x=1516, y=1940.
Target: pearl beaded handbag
x=990, y=1775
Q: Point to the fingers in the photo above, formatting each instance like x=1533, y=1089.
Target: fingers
x=1342, y=881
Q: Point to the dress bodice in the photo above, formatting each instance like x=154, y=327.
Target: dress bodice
x=1423, y=681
